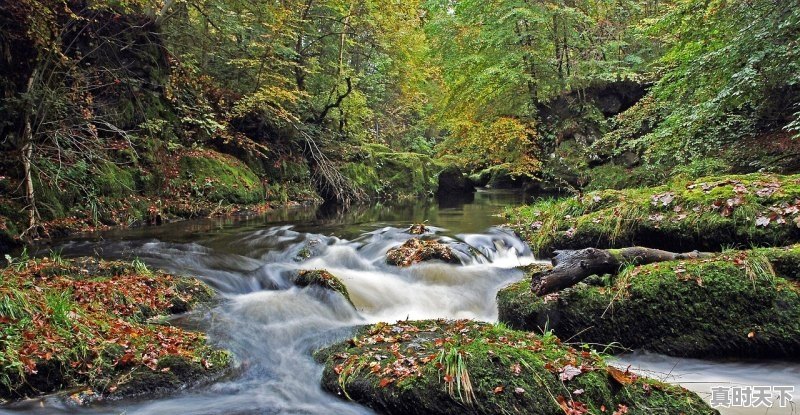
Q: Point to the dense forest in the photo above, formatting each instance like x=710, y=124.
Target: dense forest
x=670, y=124
x=120, y=112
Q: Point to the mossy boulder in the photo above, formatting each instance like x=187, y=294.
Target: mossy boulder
x=383, y=173
x=215, y=177
x=170, y=374
x=705, y=214
x=467, y=367
x=736, y=304
x=453, y=182
x=322, y=279
x=416, y=250
x=99, y=327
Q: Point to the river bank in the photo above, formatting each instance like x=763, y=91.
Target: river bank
x=99, y=330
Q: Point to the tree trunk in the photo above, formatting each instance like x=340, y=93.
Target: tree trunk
x=27, y=157
x=572, y=267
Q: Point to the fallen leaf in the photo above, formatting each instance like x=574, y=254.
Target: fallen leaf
x=568, y=372
x=623, y=378
x=621, y=409
x=762, y=221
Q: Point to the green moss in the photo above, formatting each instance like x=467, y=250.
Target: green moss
x=784, y=261
x=730, y=305
x=704, y=214
x=397, y=175
x=615, y=176
x=52, y=201
x=217, y=177
x=323, y=279
x=113, y=181
x=456, y=367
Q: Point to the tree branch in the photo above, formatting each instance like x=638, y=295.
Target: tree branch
x=336, y=103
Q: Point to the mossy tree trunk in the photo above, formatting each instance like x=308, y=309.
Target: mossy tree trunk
x=571, y=267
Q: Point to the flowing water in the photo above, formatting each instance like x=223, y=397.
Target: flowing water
x=273, y=327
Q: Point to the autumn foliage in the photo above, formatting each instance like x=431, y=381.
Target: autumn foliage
x=92, y=324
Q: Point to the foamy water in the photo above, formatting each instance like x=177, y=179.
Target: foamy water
x=273, y=327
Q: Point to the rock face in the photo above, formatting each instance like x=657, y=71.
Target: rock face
x=735, y=304
x=416, y=250
x=466, y=367
x=453, y=181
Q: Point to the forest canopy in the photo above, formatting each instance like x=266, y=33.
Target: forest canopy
x=317, y=98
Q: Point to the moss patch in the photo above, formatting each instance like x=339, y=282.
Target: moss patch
x=457, y=367
x=393, y=175
x=114, y=181
x=84, y=324
x=323, y=279
x=216, y=177
x=734, y=304
x=704, y=214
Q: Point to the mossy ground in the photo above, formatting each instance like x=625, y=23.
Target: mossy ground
x=466, y=367
x=705, y=214
x=182, y=184
x=92, y=325
x=736, y=304
x=215, y=177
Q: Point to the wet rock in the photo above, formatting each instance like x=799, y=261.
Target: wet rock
x=322, y=279
x=467, y=367
x=416, y=250
x=481, y=178
x=310, y=249
x=453, y=181
x=417, y=229
x=737, y=304
x=170, y=374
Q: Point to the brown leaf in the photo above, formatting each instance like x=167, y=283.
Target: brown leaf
x=621, y=409
x=562, y=402
x=623, y=378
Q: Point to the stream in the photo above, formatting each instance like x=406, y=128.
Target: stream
x=273, y=327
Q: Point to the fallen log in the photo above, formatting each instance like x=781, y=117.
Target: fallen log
x=573, y=266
